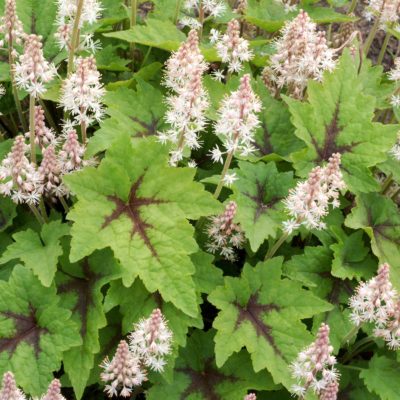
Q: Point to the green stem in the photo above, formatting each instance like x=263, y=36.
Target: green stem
x=350, y=335
x=43, y=210
x=64, y=204
x=271, y=252
x=32, y=128
x=201, y=19
x=132, y=24
x=386, y=183
x=74, y=38
x=352, y=367
x=49, y=116
x=359, y=347
x=36, y=214
x=352, y=7
x=146, y=57
x=14, y=89
x=383, y=48
x=177, y=10
x=83, y=132
x=223, y=174
x=371, y=36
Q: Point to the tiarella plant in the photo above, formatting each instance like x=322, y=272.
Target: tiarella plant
x=199, y=199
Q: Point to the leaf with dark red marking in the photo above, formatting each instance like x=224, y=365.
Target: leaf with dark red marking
x=337, y=117
x=258, y=193
x=80, y=288
x=139, y=206
x=263, y=312
x=35, y=330
x=380, y=219
x=197, y=376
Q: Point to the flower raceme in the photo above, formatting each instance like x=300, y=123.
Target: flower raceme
x=149, y=344
x=224, y=234
x=387, y=11
x=32, y=70
x=44, y=136
x=9, y=390
x=233, y=49
x=301, y=54
x=18, y=177
x=309, y=201
x=208, y=8
x=314, y=368
x=11, y=25
x=82, y=92
x=188, y=101
x=237, y=120
x=54, y=391
x=378, y=302
x=250, y=396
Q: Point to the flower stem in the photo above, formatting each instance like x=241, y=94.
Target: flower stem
x=49, y=116
x=74, y=37
x=271, y=252
x=383, y=48
x=201, y=19
x=352, y=7
x=350, y=335
x=357, y=349
x=14, y=89
x=224, y=171
x=83, y=132
x=36, y=214
x=43, y=210
x=132, y=24
x=32, y=128
x=64, y=204
x=386, y=183
x=371, y=36
x=177, y=10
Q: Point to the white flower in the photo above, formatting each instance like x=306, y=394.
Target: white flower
x=216, y=154
x=218, y=75
x=214, y=35
x=229, y=179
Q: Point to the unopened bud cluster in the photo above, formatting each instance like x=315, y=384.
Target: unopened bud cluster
x=44, y=136
x=378, y=302
x=10, y=25
x=188, y=100
x=10, y=391
x=32, y=71
x=309, y=201
x=314, y=369
x=224, y=235
x=149, y=344
x=301, y=54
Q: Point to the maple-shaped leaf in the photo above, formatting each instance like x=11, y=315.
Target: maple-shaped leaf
x=35, y=330
x=139, y=112
x=382, y=377
x=207, y=276
x=263, y=312
x=80, y=288
x=337, y=118
x=196, y=375
x=276, y=132
x=139, y=206
x=38, y=251
x=351, y=257
x=258, y=193
x=380, y=219
x=313, y=270
x=352, y=386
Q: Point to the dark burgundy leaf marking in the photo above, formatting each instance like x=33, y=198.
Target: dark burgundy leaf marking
x=331, y=133
x=205, y=381
x=83, y=287
x=258, y=198
x=27, y=330
x=132, y=210
x=253, y=312
x=264, y=146
x=149, y=129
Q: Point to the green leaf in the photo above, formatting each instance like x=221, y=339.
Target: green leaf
x=380, y=219
x=197, y=377
x=258, y=193
x=80, y=288
x=382, y=377
x=139, y=112
x=34, y=330
x=108, y=59
x=137, y=205
x=276, y=133
x=337, y=118
x=255, y=314
x=162, y=34
x=39, y=252
x=8, y=211
x=207, y=276
x=351, y=257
